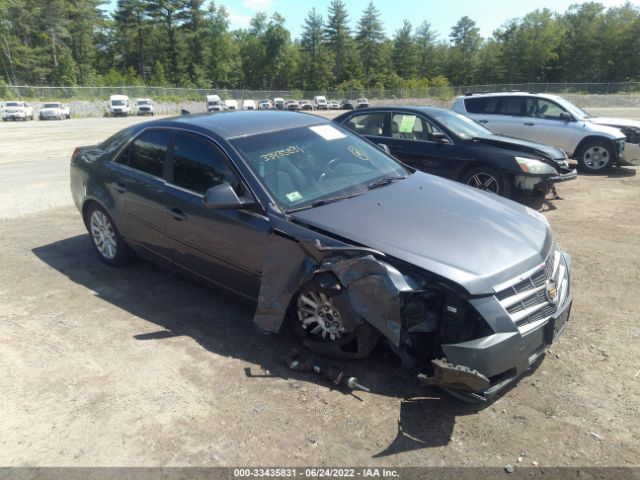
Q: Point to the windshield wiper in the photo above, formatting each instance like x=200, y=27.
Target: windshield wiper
x=384, y=181
x=323, y=201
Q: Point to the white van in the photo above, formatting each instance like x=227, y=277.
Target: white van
x=231, y=104
x=119, y=105
x=320, y=102
x=213, y=103
x=249, y=105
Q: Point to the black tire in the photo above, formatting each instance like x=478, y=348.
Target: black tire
x=487, y=179
x=595, y=156
x=121, y=254
x=357, y=340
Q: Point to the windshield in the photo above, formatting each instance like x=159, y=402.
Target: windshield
x=12, y=104
x=576, y=111
x=117, y=103
x=51, y=105
x=460, y=125
x=307, y=165
x=144, y=102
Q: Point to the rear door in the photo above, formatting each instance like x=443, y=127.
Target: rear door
x=135, y=181
x=223, y=246
x=500, y=114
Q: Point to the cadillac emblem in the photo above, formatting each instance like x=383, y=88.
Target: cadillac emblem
x=551, y=291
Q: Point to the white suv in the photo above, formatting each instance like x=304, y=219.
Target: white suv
x=17, y=111
x=595, y=143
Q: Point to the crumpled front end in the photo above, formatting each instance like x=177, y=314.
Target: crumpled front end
x=525, y=315
x=472, y=346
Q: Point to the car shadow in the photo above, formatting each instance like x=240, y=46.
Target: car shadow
x=222, y=324
x=622, y=172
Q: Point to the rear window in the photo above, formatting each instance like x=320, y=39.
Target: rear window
x=510, y=106
x=51, y=105
x=12, y=104
x=475, y=105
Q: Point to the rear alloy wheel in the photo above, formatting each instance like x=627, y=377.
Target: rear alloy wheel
x=595, y=157
x=106, y=239
x=322, y=321
x=486, y=179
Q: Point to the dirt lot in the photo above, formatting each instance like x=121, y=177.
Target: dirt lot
x=105, y=367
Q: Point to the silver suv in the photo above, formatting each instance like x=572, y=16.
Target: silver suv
x=595, y=143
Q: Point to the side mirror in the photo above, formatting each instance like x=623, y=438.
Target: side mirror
x=438, y=137
x=566, y=116
x=385, y=148
x=224, y=196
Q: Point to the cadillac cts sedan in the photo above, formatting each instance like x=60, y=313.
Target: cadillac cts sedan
x=334, y=239
x=451, y=145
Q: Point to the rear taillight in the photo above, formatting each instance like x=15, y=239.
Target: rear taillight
x=75, y=152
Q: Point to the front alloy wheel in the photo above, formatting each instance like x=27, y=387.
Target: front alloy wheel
x=486, y=179
x=319, y=316
x=321, y=320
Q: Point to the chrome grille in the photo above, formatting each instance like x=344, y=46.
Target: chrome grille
x=526, y=301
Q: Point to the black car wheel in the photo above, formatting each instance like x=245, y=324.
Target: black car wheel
x=106, y=238
x=321, y=320
x=595, y=157
x=488, y=180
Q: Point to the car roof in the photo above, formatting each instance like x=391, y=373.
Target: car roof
x=415, y=109
x=509, y=94
x=242, y=123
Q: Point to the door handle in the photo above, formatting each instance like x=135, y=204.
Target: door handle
x=483, y=121
x=118, y=187
x=177, y=214
x=529, y=124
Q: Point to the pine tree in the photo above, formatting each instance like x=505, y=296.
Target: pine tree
x=370, y=36
x=338, y=35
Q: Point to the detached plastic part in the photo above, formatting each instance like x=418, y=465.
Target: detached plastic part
x=457, y=378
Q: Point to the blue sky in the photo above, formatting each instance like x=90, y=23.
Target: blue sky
x=441, y=14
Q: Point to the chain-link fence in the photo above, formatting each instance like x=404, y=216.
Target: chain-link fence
x=198, y=94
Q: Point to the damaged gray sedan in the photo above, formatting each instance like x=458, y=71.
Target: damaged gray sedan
x=335, y=240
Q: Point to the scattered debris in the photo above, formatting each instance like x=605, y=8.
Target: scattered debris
x=520, y=459
x=258, y=408
x=597, y=436
x=534, y=463
x=509, y=468
x=332, y=373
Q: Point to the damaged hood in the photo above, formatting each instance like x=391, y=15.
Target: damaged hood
x=520, y=145
x=615, y=122
x=473, y=238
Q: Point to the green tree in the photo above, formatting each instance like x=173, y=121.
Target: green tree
x=466, y=40
x=370, y=36
x=424, y=41
x=338, y=36
x=404, y=54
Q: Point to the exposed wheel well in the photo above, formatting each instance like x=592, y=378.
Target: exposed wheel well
x=596, y=138
x=85, y=209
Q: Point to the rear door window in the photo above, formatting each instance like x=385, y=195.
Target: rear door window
x=147, y=153
x=367, y=124
x=198, y=166
x=510, y=106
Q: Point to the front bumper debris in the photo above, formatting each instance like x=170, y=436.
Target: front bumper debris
x=630, y=155
x=564, y=177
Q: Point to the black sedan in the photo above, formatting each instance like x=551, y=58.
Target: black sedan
x=445, y=143
x=333, y=237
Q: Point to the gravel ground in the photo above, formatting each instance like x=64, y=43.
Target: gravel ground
x=105, y=367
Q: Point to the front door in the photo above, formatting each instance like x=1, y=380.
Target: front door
x=223, y=246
